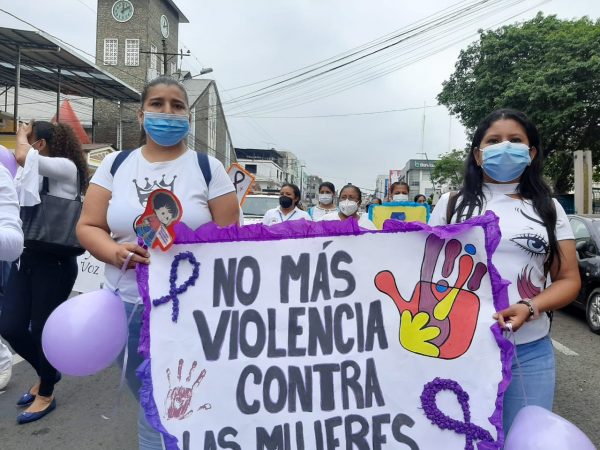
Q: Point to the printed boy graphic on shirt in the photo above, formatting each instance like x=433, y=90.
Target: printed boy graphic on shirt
x=155, y=226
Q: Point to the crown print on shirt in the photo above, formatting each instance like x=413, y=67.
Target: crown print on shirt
x=143, y=192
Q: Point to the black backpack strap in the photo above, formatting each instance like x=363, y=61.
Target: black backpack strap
x=452, y=199
x=204, y=164
x=122, y=156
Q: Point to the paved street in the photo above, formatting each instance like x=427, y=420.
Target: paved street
x=77, y=422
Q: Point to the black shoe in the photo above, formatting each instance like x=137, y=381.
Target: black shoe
x=28, y=398
x=27, y=417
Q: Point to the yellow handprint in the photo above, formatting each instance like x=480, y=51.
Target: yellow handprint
x=415, y=334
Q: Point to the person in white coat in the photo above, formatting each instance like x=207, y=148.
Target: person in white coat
x=11, y=246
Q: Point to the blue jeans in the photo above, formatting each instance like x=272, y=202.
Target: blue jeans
x=148, y=437
x=533, y=379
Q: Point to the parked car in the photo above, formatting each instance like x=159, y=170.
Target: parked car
x=256, y=205
x=586, y=229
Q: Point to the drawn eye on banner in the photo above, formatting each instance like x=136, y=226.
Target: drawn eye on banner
x=332, y=340
x=242, y=181
x=402, y=211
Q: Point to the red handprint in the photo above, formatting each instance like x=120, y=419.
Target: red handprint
x=439, y=320
x=179, y=398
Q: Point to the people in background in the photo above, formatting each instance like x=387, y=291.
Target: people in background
x=41, y=280
x=420, y=198
x=288, y=209
x=504, y=174
x=398, y=192
x=348, y=204
x=326, y=202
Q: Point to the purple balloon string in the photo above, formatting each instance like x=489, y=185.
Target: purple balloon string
x=175, y=290
x=471, y=431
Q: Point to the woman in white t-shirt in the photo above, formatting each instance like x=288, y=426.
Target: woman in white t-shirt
x=288, y=209
x=504, y=174
x=348, y=204
x=118, y=194
x=326, y=204
x=50, y=155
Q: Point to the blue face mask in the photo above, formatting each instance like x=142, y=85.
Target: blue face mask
x=166, y=129
x=505, y=161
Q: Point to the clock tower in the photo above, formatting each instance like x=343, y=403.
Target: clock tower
x=132, y=37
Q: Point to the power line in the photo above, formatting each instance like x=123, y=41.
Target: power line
x=339, y=115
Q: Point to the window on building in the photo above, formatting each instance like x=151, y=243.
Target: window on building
x=153, y=57
x=227, y=150
x=212, y=121
x=250, y=168
x=153, y=67
x=173, y=68
x=132, y=52
x=111, y=52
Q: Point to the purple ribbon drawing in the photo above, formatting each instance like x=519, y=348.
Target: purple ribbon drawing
x=471, y=431
x=175, y=290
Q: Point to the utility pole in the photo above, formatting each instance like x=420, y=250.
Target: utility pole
x=164, y=42
x=167, y=56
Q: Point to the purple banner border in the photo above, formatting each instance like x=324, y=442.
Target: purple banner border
x=298, y=229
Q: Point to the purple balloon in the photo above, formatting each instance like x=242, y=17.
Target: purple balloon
x=8, y=160
x=537, y=428
x=86, y=333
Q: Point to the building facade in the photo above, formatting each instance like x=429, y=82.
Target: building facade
x=311, y=193
x=417, y=173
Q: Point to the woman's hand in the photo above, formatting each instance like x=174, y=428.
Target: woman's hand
x=140, y=255
x=515, y=315
x=25, y=130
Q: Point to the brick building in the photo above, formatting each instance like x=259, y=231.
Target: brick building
x=131, y=37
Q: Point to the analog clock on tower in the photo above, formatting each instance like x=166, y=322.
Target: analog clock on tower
x=122, y=10
x=164, y=26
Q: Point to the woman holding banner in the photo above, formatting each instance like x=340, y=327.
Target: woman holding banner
x=348, y=203
x=288, y=209
x=503, y=174
x=117, y=198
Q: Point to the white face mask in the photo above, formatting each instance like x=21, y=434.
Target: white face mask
x=400, y=198
x=325, y=199
x=348, y=207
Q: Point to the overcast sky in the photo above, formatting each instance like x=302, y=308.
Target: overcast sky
x=246, y=41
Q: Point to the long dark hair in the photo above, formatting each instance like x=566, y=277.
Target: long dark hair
x=531, y=185
x=167, y=81
x=63, y=143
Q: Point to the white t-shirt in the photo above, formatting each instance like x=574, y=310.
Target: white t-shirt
x=522, y=251
x=133, y=182
x=11, y=233
x=316, y=212
x=275, y=215
x=363, y=220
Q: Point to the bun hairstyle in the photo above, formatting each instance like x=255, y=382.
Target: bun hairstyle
x=164, y=80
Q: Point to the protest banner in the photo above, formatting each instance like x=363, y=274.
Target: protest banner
x=315, y=336
x=403, y=211
x=242, y=181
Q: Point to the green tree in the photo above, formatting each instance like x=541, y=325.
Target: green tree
x=546, y=67
x=449, y=168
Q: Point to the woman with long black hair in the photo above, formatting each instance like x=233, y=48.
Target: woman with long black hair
x=41, y=280
x=503, y=174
